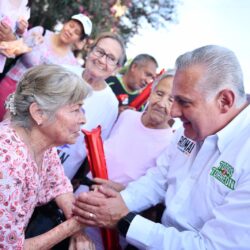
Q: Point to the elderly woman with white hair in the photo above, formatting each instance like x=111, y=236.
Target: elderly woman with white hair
x=45, y=111
x=137, y=138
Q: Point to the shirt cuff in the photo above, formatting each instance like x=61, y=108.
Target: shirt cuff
x=128, y=201
x=139, y=232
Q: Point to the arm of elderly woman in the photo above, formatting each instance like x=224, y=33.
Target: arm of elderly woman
x=62, y=231
x=79, y=239
x=65, y=202
x=54, y=236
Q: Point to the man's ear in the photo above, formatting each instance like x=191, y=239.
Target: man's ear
x=36, y=113
x=226, y=99
x=133, y=67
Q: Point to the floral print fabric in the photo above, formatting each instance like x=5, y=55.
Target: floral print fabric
x=23, y=185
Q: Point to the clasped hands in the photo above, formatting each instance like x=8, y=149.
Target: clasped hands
x=103, y=207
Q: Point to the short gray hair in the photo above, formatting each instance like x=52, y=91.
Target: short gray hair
x=222, y=67
x=142, y=59
x=51, y=87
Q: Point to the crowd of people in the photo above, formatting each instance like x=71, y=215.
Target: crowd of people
x=199, y=172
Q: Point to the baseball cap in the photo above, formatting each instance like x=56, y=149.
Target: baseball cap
x=85, y=21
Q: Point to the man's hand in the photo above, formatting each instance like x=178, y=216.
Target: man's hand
x=6, y=33
x=112, y=184
x=102, y=208
x=81, y=241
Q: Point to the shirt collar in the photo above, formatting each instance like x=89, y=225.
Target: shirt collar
x=233, y=129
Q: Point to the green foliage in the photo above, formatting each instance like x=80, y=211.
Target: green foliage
x=124, y=16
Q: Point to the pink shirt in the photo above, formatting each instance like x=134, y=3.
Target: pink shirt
x=130, y=151
x=23, y=186
x=132, y=148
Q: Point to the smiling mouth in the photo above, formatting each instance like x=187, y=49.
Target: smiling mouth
x=186, y=124
x=99, y=65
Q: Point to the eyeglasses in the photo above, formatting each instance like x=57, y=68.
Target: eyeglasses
x=110, y=59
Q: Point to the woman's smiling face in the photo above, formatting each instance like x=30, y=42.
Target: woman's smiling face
x=98, y=66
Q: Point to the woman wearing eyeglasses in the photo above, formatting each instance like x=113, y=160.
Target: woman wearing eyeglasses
x=106, y=56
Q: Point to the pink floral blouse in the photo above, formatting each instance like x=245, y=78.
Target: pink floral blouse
x=23, y=186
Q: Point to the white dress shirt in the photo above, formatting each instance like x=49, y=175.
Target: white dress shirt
x=206, y=190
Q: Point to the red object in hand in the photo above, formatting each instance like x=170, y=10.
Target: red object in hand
x=97, y=162
x=144, y=95
x=95, y=153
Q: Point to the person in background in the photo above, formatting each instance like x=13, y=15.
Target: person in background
x=204, y=176
x=105, y=57
x=14, y=16
x=135, y=142
x=129, y=157
x=45, y=112
x=141, y=71
x=54, y=49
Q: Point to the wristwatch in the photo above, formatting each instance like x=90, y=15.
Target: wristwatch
x=124, y=223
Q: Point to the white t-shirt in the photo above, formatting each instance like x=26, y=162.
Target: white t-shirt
x=101, y=108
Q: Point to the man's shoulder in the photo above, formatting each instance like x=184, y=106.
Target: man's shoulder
x=113, y=80
x=115, y=83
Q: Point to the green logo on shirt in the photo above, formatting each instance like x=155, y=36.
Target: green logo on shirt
x=224, y=173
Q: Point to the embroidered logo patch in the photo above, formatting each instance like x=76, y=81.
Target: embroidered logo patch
x=224, y=173
x=185, y=145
